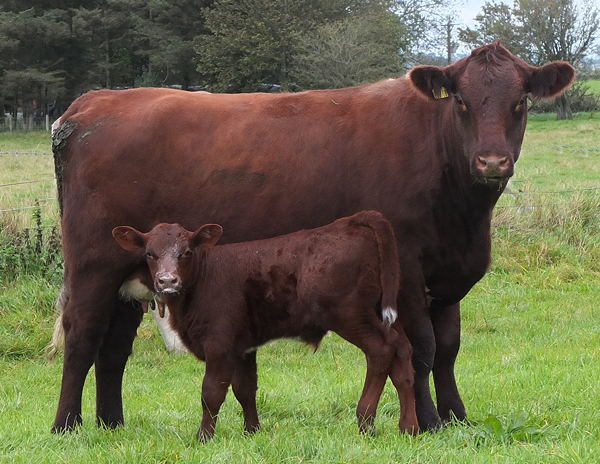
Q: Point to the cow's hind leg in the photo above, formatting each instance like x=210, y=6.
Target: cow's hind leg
x=244, y=385
x=368, y=337
x=111, y=360
x=85, y=320
x=446, y=324
x=402, y=375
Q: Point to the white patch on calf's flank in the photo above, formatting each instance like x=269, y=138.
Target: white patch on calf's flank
x=134, y=289
x=389, y=316
x=252, y=349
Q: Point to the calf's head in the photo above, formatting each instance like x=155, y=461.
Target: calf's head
x=169, y=251
x=486, y=102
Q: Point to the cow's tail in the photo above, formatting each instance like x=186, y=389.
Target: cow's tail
x=389, y=262
x=58, y=335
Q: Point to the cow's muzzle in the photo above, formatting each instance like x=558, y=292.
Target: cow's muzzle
x=490, y=167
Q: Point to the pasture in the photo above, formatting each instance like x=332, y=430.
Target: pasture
x=528, y=369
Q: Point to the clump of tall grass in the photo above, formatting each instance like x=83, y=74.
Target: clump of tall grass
x=32, y=250
x=533, y=231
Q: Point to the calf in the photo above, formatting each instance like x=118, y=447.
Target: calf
x=225, y=301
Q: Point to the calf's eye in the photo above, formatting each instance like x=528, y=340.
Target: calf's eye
x=186, y=254
x=151, y=256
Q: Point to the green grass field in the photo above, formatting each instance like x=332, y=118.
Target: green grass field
x=528, y=369
x=594, y=85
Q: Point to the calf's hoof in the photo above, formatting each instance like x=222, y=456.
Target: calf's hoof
x=108, y=423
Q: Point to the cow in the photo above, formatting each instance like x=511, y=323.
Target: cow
x=432, y=151
x=225, y=301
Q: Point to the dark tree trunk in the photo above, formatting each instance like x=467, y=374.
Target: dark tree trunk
x=563, y=108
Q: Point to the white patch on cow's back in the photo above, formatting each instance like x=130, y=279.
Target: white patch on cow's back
x=55, y=125
x=389, y=315
x=134, y=289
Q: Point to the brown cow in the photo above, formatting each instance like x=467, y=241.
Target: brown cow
x=225, y=301
x=263, y=165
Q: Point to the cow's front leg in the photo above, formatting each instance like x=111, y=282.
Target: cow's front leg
x=244, y=385
x=446, y=325
x=217, y=378
x=415, y=319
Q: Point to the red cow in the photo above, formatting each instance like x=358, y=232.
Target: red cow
x=432, y=152
x=225, y=301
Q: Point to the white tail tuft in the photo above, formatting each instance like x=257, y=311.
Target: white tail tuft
x=389, y=316
x=58, y=335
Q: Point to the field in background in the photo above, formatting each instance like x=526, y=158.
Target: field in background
x=528, y=367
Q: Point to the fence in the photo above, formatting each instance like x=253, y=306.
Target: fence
x=30, y=123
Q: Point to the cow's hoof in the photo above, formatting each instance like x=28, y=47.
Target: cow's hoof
x=67, y=425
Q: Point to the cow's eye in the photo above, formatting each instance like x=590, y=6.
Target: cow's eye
x=460, y=102
x=151, y=256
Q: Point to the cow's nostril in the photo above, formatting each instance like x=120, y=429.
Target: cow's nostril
x=481, y=162
x=503, y=162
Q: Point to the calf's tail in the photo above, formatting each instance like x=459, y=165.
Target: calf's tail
x=389, y=262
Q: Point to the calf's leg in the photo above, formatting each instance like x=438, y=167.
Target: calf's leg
x=402, y=375
x=446, y=324
x=244, y=385
x=217, y=377
x=111, y=360
x=368, y=337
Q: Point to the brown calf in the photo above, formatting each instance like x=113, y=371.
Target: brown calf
x=225, y=301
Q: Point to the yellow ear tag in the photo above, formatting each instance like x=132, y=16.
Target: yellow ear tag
x=443, y=93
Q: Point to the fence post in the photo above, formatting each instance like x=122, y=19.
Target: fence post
x=10, y=122
x=47, y=123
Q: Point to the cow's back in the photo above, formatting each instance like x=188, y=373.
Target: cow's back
x=259, y=164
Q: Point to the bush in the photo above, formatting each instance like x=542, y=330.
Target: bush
x=579, y=96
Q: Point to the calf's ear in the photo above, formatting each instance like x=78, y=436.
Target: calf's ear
x=432, y=82
x=129, y=238
x=207, y=235
x=551, y=80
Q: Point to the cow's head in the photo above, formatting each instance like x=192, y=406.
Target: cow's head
x=169, y=251
x=488, y=92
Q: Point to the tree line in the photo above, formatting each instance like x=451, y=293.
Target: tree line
x=51, y=51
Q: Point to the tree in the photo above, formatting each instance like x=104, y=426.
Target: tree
x=254, y=42
x=359, y=48
x=31, y=73
x=541, y=31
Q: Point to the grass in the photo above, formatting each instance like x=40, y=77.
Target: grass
x=528, y=367
x=594, y=85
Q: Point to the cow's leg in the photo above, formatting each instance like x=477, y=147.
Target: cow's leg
x=244, y=385
x=111, y=360
x=85, y=320
x=416, y=321
x=369, y=338
x=217, y=377
x=402, y=375
x=446, y=324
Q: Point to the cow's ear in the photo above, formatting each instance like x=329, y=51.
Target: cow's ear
x=129, y=239
x=551, y=80
x=207, y=235
x=432, y=82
